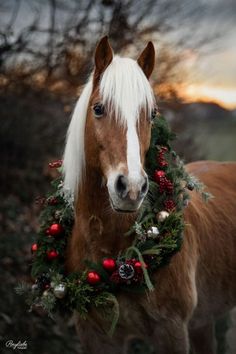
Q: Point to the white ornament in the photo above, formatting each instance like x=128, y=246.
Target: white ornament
x=59, y=291
x=153, y=231
x=162, y=215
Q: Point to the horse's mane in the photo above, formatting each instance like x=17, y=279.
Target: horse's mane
x=124, y=89
x=74, y=157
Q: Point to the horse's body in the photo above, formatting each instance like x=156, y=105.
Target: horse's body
x=196, y=287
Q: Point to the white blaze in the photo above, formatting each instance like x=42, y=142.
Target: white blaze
x=133, y=154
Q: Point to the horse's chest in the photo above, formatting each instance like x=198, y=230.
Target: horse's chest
x=135, y=313
x=134, y=323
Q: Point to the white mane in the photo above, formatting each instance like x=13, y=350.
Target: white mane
x=123, y=88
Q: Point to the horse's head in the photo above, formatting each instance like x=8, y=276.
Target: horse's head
x=118, y=124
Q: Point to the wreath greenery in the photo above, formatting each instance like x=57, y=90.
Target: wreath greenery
x=158, y=236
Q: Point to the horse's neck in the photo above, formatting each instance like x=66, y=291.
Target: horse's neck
x=98, y=231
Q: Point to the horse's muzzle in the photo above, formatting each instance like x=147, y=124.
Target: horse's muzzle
x=126, y=195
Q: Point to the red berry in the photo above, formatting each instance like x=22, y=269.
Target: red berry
x=40, y=200
x=52, y=201
x=93, y=278
x=169, y=204
x=109, y=264
x=163, y=164
x=55, y=164
x=52, y=254
x=115, y=277
x=34, y=247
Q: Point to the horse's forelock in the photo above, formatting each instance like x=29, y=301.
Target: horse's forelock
x=125, y=90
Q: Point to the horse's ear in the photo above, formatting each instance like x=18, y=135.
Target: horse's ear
x=103, y=56
x=146, y=59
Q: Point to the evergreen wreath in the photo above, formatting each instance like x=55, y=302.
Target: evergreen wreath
x=158, y=234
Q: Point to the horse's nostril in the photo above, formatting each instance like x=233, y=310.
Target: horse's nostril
x=121, y=186
x=144, y=186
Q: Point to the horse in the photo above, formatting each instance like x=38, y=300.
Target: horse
x=104, y=169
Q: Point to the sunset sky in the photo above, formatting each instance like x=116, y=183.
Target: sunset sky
x=213, y=72
x=213, y=77
x=211, y=65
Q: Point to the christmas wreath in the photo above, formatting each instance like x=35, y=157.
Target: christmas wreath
x=158, y=236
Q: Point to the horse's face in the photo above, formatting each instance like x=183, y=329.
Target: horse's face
x=119, y=153
x=117, y=137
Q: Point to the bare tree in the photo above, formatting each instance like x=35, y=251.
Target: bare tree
x=62, y=48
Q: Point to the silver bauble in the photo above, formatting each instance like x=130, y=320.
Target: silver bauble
x=190, y=186
x=59, y=291
x=153, y=231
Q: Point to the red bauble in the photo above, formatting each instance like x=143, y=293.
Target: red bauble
x=34, y=247
x=158, y=175
x=109, y=264
x=54, y=229
x=52, y=254
x=93, y=278
x=138, y=265
x=55, y=164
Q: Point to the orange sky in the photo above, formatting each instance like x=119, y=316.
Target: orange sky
x=211, y=76
x=224, y=96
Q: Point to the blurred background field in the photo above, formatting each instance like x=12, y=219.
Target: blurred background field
x=46, y=51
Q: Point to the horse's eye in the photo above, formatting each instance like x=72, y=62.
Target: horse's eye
x=98, y=110
x=154, y=114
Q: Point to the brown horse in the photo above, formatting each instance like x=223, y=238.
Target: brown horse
x=104, y=162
